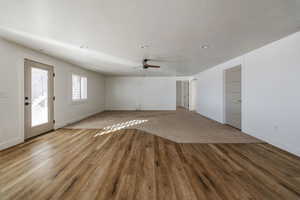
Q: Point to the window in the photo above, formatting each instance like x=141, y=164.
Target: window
x=79, y=88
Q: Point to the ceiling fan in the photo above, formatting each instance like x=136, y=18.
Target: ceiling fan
x=146, y=65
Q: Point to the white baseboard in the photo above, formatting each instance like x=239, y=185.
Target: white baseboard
x=140, y=107
x=121, y=108
x=295, y=151
x=71, y=121
x=291, y=149
x=158, y=107
x=58, y=125
x=11, y=143
x=272, y=141
x=209, y=117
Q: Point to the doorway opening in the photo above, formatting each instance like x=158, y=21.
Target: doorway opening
x=233, y=102
x=182, y=94
x=39, y=97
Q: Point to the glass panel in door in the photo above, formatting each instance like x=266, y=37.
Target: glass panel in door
x=39, y=97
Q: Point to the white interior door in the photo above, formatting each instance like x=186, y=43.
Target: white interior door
x=178, y=93
x=233, y=96
x=186, y=94
x=38, y=98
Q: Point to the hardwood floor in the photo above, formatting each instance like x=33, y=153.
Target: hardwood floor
x=131, y=164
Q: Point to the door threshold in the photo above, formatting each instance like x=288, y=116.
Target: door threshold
x=36, y=136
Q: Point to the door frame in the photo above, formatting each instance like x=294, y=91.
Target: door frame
x=224, y=94
x=184, y=87
x=43, y=128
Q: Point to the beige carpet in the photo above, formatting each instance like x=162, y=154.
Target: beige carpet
x=180, y=126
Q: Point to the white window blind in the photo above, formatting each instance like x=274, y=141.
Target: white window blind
x=83, y=88
x=79, y=88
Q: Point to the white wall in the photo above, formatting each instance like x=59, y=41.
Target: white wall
x=12, y=92
x=209, y=90
x=140, y=93
x=270, y=92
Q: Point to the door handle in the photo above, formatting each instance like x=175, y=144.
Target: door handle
x=27, y=103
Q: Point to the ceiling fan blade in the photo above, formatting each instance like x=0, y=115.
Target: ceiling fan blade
x=151, y=66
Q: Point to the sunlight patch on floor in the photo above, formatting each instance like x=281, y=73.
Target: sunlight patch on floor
x=119, y=126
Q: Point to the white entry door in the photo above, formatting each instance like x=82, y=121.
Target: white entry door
x=38, y=98
x=233, y=96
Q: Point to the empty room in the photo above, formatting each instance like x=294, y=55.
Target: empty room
x=150, y=100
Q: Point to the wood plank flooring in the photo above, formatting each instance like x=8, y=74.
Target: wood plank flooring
x=131, y=164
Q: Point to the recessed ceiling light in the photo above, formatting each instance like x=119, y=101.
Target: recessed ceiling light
x=204, y=46
x=144, y=46
x=83, y=47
